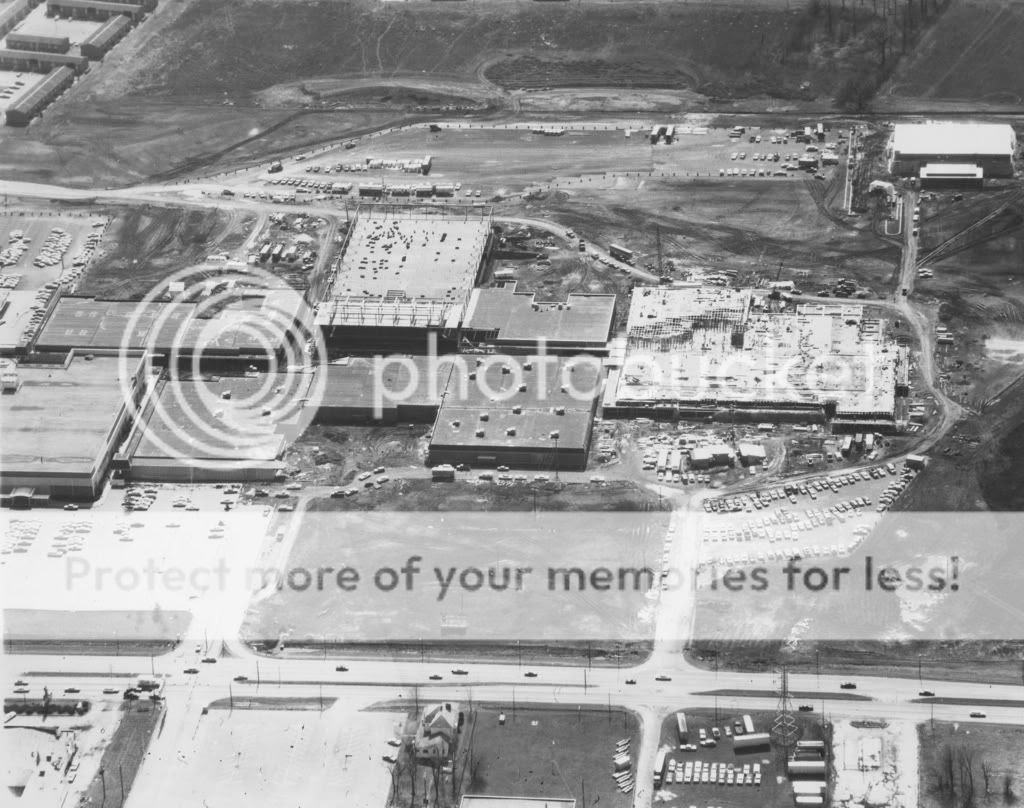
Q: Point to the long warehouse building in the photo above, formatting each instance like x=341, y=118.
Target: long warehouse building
x=39, y=97
x=99, y=42
x=40, y=62
x=989, y=146
x=13, y=13
x=38, y=42
x=96, y=9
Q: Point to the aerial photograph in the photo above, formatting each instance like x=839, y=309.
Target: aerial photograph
x=512, y=403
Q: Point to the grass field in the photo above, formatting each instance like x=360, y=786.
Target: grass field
x=558, y=753
x=123, y=757
x=965, y=763
x=972, y=54
x=470, y=565
x=94, y=632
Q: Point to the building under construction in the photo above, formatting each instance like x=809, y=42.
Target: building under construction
x=699, y=351
x=404, y=279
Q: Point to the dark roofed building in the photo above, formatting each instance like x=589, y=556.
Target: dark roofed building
x=516, y=321
x=526, y=412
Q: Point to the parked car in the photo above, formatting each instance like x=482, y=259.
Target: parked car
x=926, y=693
x=459, y=671
x=848, y=686
x=977, y=714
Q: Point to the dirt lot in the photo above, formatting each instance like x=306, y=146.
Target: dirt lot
x=278, y=757
x=556, y=753
x=759, y=230
x=774, y=790
x=145, y=244
x=965, y=762
x=334, y=455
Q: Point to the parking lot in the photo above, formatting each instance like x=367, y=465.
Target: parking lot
x=37, y=250
x=715, y=773
x=822, y=516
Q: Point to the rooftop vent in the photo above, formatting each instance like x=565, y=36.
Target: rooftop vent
x=484, y=416
x=479, y=433
x=456, y=424
x=554, y=435
x=559, y=410
x=522, y=388
x=510, y=431
x=517, y=410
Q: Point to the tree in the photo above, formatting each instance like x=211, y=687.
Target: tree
x=855, y=94
x=1009, y=797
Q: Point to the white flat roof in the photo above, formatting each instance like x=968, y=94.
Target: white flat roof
x=953, y=138
x=951, y=170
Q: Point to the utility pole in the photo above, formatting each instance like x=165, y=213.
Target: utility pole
x=657, y=240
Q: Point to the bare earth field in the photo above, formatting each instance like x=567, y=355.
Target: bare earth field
x=145, y=244
x=275, y=757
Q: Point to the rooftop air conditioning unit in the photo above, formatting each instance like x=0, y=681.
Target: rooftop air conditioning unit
x=510, y=431
x=517, y=410
x=559, y=410
x=479, y=433
x=484, y=416
x=554, y=436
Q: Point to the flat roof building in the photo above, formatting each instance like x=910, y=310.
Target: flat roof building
x=525, y=412
x=86, y=322
x=697, y=351
x=62, y=422
x=516, y=321
x=403, y=275
x=205, y=429
x=385, y=389
x=989, y=146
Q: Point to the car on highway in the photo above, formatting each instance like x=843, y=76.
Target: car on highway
x=209, y=660
x=341, y=669
x=502, y=468
x=806, y=708
x=459, y=671
x=241, y=678
x=530, y=675
x=977, y=714
x=662, y=678
x=848, y=686
x=631, y=681
x=72, y=690
x=109, y=691
x=191, y=670
x=21, y=683
x=926, y=693
x=21, y=690
x=435, y=677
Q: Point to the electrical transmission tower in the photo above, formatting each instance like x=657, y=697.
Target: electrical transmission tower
x=785, y=730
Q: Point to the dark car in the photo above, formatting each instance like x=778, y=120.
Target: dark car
x=109, y=691
x=977, y=714
x=530, y=675
x=848, y=686
x=926, y=693
x=806, y=708
x=459, y=671
x=259, y=492
x=435, y=677
x=631, y=681
x=130, y=695
x=72, y=690
x=191, y=670
x=662, y=678
x=21, y=690
x=241, y=678
x=21, y=683
x=341, y=669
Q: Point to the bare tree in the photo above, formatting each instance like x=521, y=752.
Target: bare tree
x=1009, y=796
x=986, y=775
